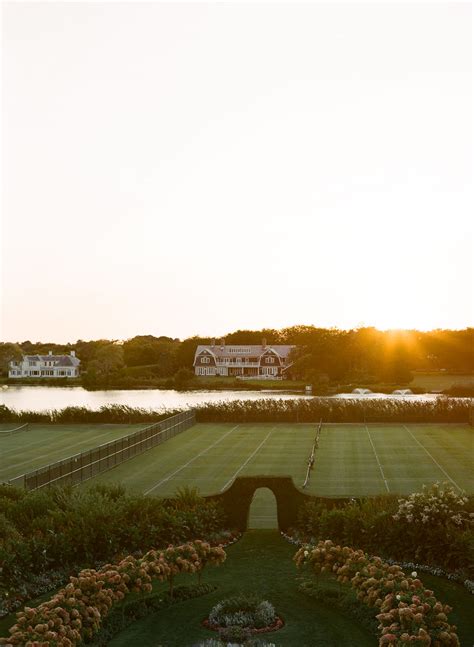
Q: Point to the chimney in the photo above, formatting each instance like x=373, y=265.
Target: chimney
x=50, y=352
x=264, y=342
x=73, y=353
x=213, y=342
x=223, y=341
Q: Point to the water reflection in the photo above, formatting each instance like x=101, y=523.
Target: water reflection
x=40, y=398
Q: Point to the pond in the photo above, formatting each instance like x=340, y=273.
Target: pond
x=40, y=398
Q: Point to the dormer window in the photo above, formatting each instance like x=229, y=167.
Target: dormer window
x=205, y=360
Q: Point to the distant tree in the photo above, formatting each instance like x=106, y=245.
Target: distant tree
x=144, y=350
x=9, y=352
x=187, y=349
x=108, y=362
x=183, y=378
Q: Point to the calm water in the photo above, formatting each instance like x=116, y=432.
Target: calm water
x=40, y=398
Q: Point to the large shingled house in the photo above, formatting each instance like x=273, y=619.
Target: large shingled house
x=252, y=360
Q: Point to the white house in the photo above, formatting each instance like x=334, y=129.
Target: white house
x=243, y=360
x=46, y=366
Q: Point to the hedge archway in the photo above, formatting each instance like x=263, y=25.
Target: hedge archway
x=236, y=499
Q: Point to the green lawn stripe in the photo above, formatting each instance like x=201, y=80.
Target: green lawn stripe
x=433, y=459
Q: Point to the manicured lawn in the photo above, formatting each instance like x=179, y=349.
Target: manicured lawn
x=261, y=562
x=352, y=460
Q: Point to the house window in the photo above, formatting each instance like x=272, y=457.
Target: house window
x=270, y=360
x=205, y=360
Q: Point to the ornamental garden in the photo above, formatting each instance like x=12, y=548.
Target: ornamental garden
x=104, y=564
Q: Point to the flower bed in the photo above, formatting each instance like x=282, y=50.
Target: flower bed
x=76, y=611
x=411, y=566
x=408, y=614
x=247, y=612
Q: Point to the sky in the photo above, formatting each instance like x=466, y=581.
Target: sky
x=182, y=169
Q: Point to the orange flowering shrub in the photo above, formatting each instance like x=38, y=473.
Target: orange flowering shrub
x=76, y=611
x=408, y=614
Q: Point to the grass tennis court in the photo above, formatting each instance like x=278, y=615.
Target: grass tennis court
x=352, y=459
x=43, y=444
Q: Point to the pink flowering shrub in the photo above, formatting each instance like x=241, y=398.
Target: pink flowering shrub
x=76, y=611
x=408, y=614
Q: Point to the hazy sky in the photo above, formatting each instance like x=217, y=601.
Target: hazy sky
x=196, y=168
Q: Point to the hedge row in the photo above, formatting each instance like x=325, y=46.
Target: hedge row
x=442, y=409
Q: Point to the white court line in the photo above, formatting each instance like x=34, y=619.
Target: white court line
x=433, y=459
x=376, y=456
x=190, y=461
x=251, y=456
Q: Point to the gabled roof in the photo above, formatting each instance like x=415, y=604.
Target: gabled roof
x=252, y=350
x=59, y=360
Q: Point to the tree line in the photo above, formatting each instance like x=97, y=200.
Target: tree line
x=364, y=355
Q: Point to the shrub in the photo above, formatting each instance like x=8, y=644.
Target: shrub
x=76, y=611
x=435, y=506
x=395, y=528
x=408, y=614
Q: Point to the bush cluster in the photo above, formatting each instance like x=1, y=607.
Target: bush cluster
x=409, y=614
x=56, y=530
x=435, y=506
x=388, y=526
x=75, y=612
